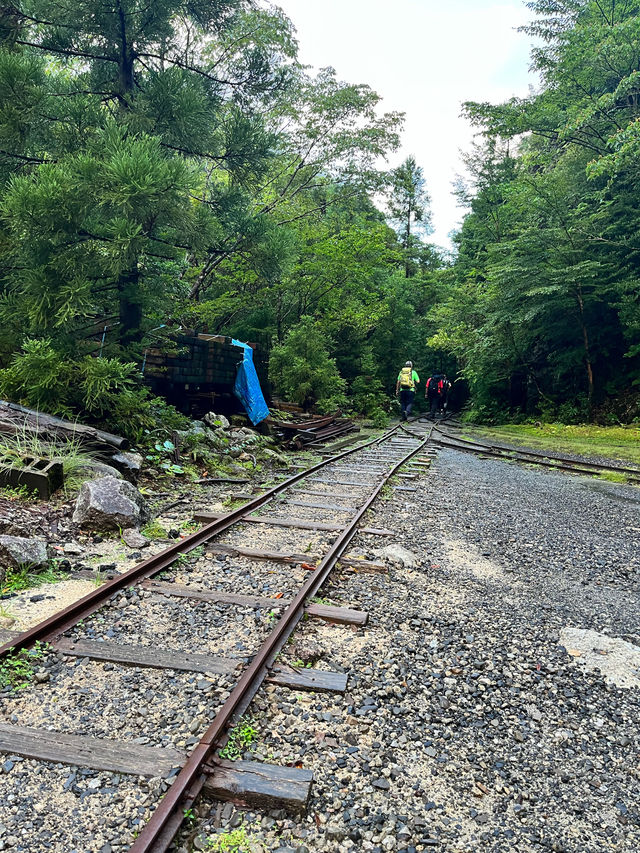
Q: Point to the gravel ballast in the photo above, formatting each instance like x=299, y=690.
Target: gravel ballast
x=467, y=724
x=476, y=716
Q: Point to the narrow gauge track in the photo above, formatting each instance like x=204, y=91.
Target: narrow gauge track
x=365, y=469
x=443, y=438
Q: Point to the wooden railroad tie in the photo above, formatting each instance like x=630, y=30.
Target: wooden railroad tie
x=258, y=785
x=151, y=656
x=351, y=563
x=293, y=522
x=308, y=678
x=329, y=613
x=248, y=782
x=82, y=751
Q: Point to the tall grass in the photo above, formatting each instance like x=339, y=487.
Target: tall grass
x=67, y=450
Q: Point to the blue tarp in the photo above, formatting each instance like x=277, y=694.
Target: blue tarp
x=247, y=387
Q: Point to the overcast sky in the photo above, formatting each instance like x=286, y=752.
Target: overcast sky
x=424, y=57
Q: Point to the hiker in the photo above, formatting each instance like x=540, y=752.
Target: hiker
x=406, y=386
x=444, y=394
x=433, y=393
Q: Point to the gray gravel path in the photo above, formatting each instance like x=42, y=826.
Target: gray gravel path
x=467, y=726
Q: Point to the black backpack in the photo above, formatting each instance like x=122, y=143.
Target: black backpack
x=434, y=385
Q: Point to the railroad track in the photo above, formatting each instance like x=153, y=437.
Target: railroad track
x=443, y=438
x=345, y=485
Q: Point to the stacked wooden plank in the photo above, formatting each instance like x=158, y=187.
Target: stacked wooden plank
x=196, y=360
x=313, y=432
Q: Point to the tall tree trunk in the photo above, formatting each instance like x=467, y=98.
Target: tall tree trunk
x=407, y=241
x=587, y=349
x=130, y=308
x=125, y=59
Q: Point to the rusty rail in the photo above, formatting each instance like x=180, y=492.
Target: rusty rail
x=159, y=832
x=547, y=460
x=50, y=628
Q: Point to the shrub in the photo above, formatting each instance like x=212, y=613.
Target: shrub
x=303, y=371
x=98, y=388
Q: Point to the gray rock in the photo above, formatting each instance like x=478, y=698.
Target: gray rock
x=216, y=421
x=134, y=539
x=94, y=470
x=109, y=504
x=129, y=464
x=277, y=457
x=398, y=555
x=16, y=551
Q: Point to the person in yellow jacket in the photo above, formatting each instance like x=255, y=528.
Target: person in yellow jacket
x=406, y=387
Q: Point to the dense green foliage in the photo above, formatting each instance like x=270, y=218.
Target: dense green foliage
x=544, y=307
x=172, y=162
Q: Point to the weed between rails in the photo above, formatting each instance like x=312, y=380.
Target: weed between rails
x=154, y=530
x=236, y=841
x=241, y=736
x=17, y=493
x=17, y=668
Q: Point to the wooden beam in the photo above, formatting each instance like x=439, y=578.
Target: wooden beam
x=151, y=656
x=96, y=753
x=179, y=590
x=274, y=522
x=353, y=564
x=295, y=522
x=343, y=482
x=255, y=554
x=307, y=678
x=333, y=507
x=258, y=785
x=337, y=615
x=355, y=469
x=376, y=531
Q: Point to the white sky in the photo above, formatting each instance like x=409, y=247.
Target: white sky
x=424, y=57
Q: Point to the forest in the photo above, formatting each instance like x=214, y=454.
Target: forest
x=173, y=165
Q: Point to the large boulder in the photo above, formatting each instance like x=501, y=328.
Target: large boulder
x=109, y=504
x=16, y=551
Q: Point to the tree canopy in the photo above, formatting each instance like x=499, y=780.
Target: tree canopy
x=173, y=164
x=544, y=308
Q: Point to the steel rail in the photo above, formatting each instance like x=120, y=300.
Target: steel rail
x=528, y=456
x=622, y=469
x=50, y=628
x=161, y=828
x=550, y=457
